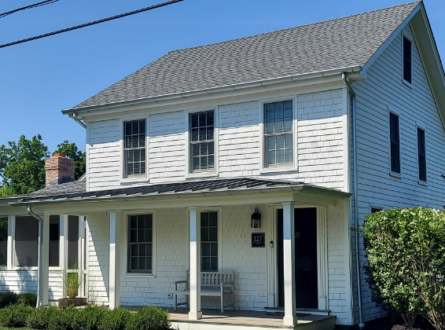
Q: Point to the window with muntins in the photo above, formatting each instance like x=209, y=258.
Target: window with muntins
x=421, y=154
x=209, y=241
x=134, y=147
x=395, y=142
x=202, y=145
x=278, y=133
x=140, y=243
x=407, y=60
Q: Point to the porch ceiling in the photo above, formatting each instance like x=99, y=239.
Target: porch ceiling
x=210, y=188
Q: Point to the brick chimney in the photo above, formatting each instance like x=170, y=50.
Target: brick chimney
x=59, y=169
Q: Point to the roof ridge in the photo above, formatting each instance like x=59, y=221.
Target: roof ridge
x=293, y=27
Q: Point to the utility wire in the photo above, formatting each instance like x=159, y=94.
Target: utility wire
x=90, y=23
x=39, y=4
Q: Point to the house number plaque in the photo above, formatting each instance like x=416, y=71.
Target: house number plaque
x=258, y=240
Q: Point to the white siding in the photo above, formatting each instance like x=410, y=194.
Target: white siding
x=22, y=281
x=318, y=125
x=104, y=151
x=416, y=106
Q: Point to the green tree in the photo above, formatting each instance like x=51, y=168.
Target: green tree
x=79, y=157
x=22, y=166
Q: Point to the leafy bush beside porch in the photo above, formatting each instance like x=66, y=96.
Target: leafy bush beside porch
x=406, y=262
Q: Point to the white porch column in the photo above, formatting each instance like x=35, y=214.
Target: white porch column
x=63, y=247
x=112, y=285
x=10, y=245
x=290, y=318
x=195, y=267
x=44, y=259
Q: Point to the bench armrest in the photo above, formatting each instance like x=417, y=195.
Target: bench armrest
x=223, y=284
x=180, y=282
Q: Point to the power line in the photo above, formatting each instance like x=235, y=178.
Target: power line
x=90, y=23
x=39, y=4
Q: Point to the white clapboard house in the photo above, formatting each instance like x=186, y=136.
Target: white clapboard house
x=246, y=163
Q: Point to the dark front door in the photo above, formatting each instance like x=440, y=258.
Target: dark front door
x=305, y=258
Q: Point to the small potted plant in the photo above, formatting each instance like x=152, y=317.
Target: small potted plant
x=72, y=283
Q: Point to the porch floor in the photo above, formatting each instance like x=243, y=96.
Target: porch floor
x=213, y=319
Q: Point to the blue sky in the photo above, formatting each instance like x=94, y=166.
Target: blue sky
x=40, y=78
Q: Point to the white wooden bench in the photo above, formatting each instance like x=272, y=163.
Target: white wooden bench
x=213, y=284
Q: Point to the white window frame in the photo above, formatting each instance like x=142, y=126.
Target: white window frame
x=407, y=83
x=393, y=111
x=189, y=173
x=219, y=212
x=421, y=182
x=285, y=167
x=127, y=215
x=143, y=178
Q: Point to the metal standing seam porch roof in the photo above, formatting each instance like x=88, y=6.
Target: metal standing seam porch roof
x=239, y=184
x=341, y=43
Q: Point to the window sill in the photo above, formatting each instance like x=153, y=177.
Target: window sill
x=200, y=175
x=278, y=170
x=395, y=175
x=129, y=275
x=422, y=183
x=407, y=84
x=134, y=180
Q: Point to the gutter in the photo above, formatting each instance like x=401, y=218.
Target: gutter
x=208, y=91
x=355, y=194
x=39, y=256
x=74, y=116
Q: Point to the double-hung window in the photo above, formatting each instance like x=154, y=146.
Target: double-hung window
x=140, y=243
x=421, y=154
x=209, y=241
x=134, y=147
x=395, y=142
x=407, y=60
x=202, y=145
x=278, y=133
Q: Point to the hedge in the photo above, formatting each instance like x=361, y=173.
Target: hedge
x=89, y=318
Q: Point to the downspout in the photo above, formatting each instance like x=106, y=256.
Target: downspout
x=39, y=256
x=355, y=194
x=74, y=116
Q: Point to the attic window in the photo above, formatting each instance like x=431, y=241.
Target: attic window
x=407, y=60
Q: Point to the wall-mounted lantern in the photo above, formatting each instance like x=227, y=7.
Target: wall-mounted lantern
x=255, y=219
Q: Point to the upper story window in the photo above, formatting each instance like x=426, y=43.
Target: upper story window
x=395, y=142
x=421, y=154
x=407, y=60
x=140, y=243
x=134, y=147
x=202, y=145
x=278, y=133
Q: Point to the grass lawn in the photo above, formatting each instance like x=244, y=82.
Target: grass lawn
x=4, y=328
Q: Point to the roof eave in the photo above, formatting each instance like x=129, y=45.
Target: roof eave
x=215, y=90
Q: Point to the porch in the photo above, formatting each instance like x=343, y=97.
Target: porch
x=255, y=320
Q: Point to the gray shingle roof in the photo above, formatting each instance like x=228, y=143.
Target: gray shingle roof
x=334, y=44
x=58, y=189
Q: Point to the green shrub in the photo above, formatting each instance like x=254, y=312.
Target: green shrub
x=406, y=254
x=7, y=298
x=28, y=299
x=115, y=319
x=88, y=318
x=15, y=316
x=39, y=318
x=149, y=318
x=63, y=318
